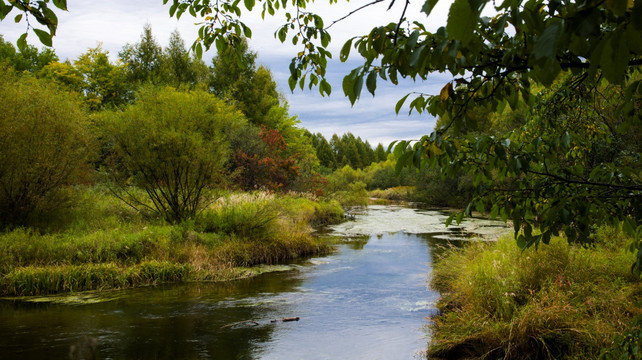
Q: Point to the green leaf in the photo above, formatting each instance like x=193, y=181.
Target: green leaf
x=371, y=82
x=249, y=4
x=198, y=49
x=4, y=10
x=172, y=9
x=44, y=36
x=450, y=219
x=18, y=18
x=429, y=5
x=348, y=86
x=546, y=44
x=22, y=42
x=461, y=21
x=345, y=51
x=494, y=210
x=62, y=4
x=292, y=83
x=416, y=56
x=460, y=217
x=401, y=161
x=325, y=88
x=358, y=84
x=400, y=103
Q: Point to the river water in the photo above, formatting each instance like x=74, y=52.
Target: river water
x=367, y=300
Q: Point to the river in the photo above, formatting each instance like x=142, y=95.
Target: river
x=367, y=300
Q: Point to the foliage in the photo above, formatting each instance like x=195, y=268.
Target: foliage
x=252, y=89
x=41, y=11
x=104, y=84
x=271, y=170
x=45, y=148
x=171, y=144
x=27, y=59
x=561, y=301
x=179, y=68
x=144, y=59
x=565, y=168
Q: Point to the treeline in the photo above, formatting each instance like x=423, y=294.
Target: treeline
x=346, y=150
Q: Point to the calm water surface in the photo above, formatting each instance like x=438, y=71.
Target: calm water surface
x=368, y=300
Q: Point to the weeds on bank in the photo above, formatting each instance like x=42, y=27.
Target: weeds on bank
x=127, y=250
x=394, y=193
x=560, y=301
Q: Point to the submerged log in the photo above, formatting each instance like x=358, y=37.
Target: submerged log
x=286, y=319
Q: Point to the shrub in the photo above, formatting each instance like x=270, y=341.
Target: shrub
x=171, y=144
x=44, y=148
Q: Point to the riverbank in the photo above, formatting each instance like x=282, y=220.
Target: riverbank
x=559, y=301
x=102, y=244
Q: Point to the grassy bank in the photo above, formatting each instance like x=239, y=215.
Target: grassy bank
x=101, y=244
x=560, y=301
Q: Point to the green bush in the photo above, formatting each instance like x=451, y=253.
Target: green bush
x=172, y=145
x=44, y=148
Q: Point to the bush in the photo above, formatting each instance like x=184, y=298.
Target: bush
x=171, y=144
x=44, y=148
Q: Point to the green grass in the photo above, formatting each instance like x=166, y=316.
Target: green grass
x=559, y=301
x=104, y=245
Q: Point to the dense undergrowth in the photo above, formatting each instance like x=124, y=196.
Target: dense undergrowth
x=559, y=301
x=102, y=244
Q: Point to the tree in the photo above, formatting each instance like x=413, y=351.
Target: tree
x=104, y=83
x=251, y=89
x=272, y=170
x=172, y=145
x=380, y=153
x=178, y=67
x=45, y=146
x=143, y=60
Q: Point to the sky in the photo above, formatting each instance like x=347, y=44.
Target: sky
x=115, y=23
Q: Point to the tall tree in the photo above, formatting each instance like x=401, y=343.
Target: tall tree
x=143, y=60
x=252, y=89
x=178, y=67
x=380, y=153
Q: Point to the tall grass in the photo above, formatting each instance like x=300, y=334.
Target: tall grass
x=129, y=250
x=560, y=301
